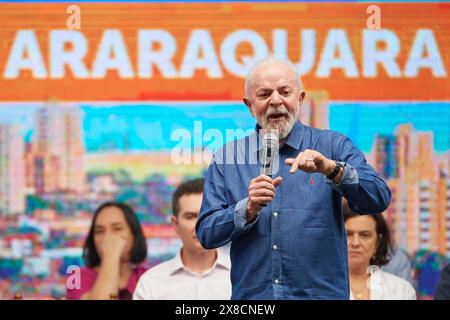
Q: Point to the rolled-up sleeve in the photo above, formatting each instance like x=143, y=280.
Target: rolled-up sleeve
x=219, y=221
x=364, y=189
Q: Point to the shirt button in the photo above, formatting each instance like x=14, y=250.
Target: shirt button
x=277, y=281
x=274, y=247
x=275, y=214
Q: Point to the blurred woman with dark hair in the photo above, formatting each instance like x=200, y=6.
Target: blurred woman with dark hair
x=369, y=244
x=113, y=252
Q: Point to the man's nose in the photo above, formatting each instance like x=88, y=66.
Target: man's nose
x=275, y=99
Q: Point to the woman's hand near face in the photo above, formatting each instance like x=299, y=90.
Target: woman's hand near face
x=113, y=240
x=113, y=246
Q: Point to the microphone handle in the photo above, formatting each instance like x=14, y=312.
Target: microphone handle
x=265, y=165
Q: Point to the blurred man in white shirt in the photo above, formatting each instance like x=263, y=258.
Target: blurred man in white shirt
x=194, y=273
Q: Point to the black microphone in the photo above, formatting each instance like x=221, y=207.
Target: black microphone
x=269, y=150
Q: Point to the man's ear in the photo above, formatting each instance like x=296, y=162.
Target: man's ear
x=302, y=97
x=174, y=220
x=249, y=105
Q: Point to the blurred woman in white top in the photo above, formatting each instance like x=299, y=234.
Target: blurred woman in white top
x=369, y=244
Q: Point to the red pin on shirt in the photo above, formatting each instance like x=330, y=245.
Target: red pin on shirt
x=311, y=180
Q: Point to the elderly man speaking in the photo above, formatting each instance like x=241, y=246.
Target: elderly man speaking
x=287, y=233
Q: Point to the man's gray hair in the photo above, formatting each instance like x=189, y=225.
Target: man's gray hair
x=270, y=60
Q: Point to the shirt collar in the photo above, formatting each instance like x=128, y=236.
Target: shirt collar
x=176, y=265
x=294, y=138
x=222, y=260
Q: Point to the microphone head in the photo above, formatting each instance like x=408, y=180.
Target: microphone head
x=270, y=139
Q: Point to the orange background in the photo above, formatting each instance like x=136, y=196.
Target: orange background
x=220, y=20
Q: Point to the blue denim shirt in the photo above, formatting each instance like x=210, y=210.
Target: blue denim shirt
x=296, y=247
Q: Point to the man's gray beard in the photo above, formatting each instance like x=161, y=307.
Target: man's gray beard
x=284, y=131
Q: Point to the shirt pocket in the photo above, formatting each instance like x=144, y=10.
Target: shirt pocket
x=319, y=193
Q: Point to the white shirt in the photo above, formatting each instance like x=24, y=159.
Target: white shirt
x=171, y=280
x=387, y=286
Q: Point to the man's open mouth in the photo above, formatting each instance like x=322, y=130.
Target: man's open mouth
x=276, y=116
